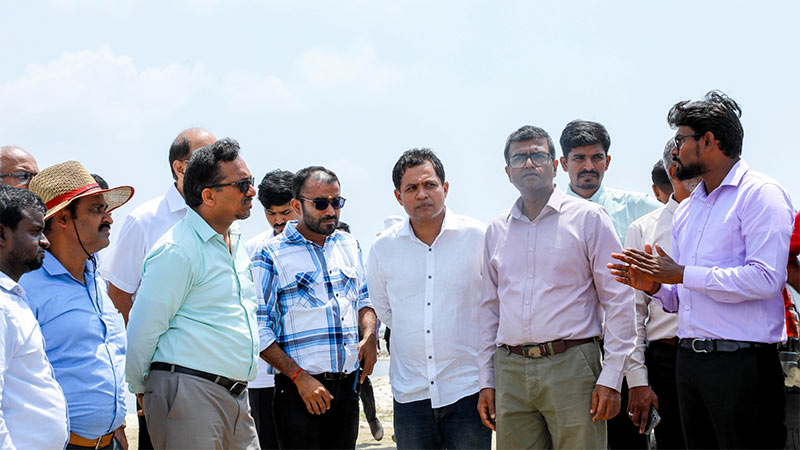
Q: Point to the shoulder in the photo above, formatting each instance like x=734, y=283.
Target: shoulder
x=649, y=218
x=148, y=210
x=470, y=224
x=632, y=198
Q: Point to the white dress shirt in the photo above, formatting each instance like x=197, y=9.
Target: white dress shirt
x=652, y=322
x=263, y=379
x=429, y=297
x=142, y=228
x=33, y=410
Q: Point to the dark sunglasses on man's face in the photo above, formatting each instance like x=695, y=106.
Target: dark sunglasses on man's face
x=321, y=204
x=22, y=177
x=244, y=184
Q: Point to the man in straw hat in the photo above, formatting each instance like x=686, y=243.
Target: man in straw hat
x=84, y=334
x=193, y=324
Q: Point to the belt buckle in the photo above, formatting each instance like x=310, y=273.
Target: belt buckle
x=533, y=352
x=98, y=442
x=235, y=387
x=695, y=349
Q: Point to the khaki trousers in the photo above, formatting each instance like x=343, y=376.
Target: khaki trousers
x=544, y=402
x=184, y=411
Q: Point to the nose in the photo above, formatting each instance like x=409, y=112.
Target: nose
x=44, y=242
x=107, y=218
x=251, y=191
x=529, y=162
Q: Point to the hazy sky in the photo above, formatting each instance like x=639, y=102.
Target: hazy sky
x=352, y=84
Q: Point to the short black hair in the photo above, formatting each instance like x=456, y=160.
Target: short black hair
x=13, y=201
x=180, y=149
x=526, y=133
x=413, y=158
x=580, y=133
x=100, y=181
x=660, y=177
x=275, y=188
x=304, y=174
x=203, y=169
x=343, y=226
x=716, y=113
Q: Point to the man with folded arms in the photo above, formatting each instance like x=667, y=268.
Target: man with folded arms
x=730, y=242
x=33, y=411
x=424, y=276
x=192, y=334
x=544, y=297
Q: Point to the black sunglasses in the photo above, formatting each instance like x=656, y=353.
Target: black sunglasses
x=22, y=177
x=322, y=203
x=244, y=184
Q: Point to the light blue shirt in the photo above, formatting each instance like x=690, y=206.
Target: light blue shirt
x=84, y=341
x=624, y=207
x=196, y=306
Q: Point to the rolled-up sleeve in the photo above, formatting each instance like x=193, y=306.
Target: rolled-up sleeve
x=265, y=279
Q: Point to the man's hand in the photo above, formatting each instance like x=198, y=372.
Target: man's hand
x=639, y=400
x=486, y=408
x=314, y=394
x=368, y=355
x=119, y=435
x=644, y=270
x=605, y=403
x=139, y=398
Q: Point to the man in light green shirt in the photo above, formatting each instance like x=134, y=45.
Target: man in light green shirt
x=193, y=323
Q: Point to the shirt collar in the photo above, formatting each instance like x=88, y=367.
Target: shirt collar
x=174, y=199
x=201, y=227
x=292, y=235
x=733, y=178
x=450, y=222
x=554, y=203
x=54, y=267
x=672, y=204
x=597, y=197
x=11, y=286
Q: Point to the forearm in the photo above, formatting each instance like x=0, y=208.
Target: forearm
x=277, y=358
x=123, y=301
x=367, y=321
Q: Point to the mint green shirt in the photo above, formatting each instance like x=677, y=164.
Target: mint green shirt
x=623, y=206
x=196, y=306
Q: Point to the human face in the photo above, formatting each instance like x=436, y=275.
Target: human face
x=317, y=222
x=531, y=179
x=17, y=161
x=93, y=222
x=422, y=193
x=278, y=215
x=687, y=155
x=27, y=242
x=229, y=203
x=586, y=167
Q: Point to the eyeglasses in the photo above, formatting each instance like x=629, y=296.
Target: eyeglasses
x=680, y=138
x=539, y=159
x=321, y=204
x=22, y=177
x=244, y=184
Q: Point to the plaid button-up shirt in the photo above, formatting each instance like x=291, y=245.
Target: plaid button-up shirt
x=309, y=297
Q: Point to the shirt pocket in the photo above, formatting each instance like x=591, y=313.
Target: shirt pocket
x=347, y=284
x=304, y=294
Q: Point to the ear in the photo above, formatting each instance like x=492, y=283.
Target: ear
x=297, y=207
x=446, y=188
x=671, y=172
x=397, y=196
x=709, y=141
x=208, y=196
x=4, y=241
x=564, y=163
x=608, y=160
x=179, y=167
x=61, y=218
x=508, y=172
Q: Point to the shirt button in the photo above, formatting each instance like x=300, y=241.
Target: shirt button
x=530, y=276
x=428, y=331
x=686, y=307
x=527, y=303
x=429, y=303
x=430, y=357
x=430, y=249
x=431, y=382
x=708, y=205
x=525, y=330
x=429, y=277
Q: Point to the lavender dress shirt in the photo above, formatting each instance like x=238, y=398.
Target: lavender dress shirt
x=734, y=243
x=546, y=279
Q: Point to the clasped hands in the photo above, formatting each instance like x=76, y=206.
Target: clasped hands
x=646, y=270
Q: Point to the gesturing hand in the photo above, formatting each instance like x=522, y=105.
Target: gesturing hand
x=644, y=270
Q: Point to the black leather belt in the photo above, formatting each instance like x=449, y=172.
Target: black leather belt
x=233, y=387
x=672, y=342
x=721, y=345
x=547, y=348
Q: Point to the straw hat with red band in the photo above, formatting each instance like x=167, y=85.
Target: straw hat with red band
x=60, y=184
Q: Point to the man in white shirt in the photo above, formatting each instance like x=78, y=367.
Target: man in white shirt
x=33, y=410
x=275, y=195
x=424, y=276
x=142, y=228
x=656, y=329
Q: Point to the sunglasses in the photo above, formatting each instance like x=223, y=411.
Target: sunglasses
x=321, y=204
x=244, y=184
x=22, y=177
x=539, y=159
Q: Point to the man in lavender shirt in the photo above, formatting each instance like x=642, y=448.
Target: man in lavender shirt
x=544, y=294
x=730, y=242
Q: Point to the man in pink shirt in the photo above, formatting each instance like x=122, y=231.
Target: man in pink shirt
x=543, y=300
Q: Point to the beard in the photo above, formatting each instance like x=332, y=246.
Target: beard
x=687, y=172
x=588, y=184
x=317, y=226
x=30, y=263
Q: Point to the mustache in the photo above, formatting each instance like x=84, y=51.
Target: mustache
x=327, y=218
x=588, y=172
x=247, y=200
x=104, y=225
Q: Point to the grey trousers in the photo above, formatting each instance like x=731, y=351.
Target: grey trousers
x=545, y=402
x=184, y=411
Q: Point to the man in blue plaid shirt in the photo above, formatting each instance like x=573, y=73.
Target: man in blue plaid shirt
x=315, y=319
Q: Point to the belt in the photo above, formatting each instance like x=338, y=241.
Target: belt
x=234, y=387
x=547, y=348
x=673, y=341
x=81, y=441
x=335, y=376
x=721, y=345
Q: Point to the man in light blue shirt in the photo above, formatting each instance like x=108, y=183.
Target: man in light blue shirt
x=584, y=146
x=84, y=334
x=194, y=321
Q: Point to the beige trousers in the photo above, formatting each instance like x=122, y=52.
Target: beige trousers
x=545, y=402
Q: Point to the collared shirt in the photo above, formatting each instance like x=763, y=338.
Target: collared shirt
x=430, y=297
x=33, y=410
x=196, y=305
x=84, y=339
x=142, y=228
x=263, y=378
x=652, y=322
x=309, y=297
x=623, y=206
x=734, y=243
x=547, y=279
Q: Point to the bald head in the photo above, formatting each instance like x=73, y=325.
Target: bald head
x=181, y=149
x=14, y=159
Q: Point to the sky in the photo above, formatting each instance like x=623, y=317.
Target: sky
x=350, y=85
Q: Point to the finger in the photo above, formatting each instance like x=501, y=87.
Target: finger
x=326, y=397
x=643, y=270
x=618, y=256
x=595, y=400
x=643, y=420
x=600, y=411
x=617, y=266
x=648, y=248
x=363, y=375
x=310, y=406
x=661, y=251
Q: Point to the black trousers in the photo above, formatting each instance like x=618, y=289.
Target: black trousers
x=367, y=395
x=297, y=428
x=622, y=433
x=660, y=361
x=261, y=409
x=144, y=435
x=731, y=399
